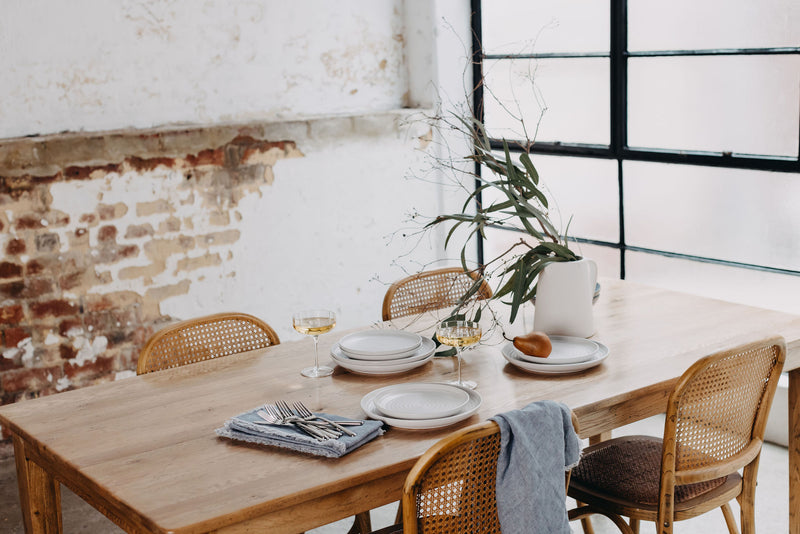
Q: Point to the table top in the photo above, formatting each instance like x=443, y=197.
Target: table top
x=147, y=445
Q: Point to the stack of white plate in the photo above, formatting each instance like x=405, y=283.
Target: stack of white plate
x=420, y=406
x=569, y=355
x=382, y=352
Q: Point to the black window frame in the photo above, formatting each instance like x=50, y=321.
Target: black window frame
x=618, y=148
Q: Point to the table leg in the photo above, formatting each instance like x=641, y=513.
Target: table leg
x=794, y=451
x=39, y=494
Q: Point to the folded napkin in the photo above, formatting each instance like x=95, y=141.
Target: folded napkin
x=537, y=445
x=249, y=427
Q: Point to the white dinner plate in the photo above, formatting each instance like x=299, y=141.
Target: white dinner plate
x=379, y=344
x=380, y=368
x=512, y=355
x=368, y=405
x=421, y=401
x=566, y=349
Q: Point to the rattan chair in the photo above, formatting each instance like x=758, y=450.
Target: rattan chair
x=715, y=421
x=431, y=290
x=451, y=488
x=203, y=338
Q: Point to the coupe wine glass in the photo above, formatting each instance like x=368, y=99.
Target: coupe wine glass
x=459, y=334
x=313, y=323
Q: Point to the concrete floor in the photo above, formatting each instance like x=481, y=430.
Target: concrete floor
x=772, y=501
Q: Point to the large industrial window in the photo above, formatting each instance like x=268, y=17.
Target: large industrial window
x=670, y=131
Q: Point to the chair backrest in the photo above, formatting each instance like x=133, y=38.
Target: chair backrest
x=431, y=290
x=433, y=497
x=203, y=338
x=716, y=417
x=451, y=488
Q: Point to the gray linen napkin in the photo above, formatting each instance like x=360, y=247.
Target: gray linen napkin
x=247, y=427
x=537, y=445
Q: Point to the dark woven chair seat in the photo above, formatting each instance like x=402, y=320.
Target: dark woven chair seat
x=629, y=468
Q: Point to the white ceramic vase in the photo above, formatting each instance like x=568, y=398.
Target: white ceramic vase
x=564, y=298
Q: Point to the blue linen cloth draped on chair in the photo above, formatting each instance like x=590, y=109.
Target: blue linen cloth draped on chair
x=538, y=445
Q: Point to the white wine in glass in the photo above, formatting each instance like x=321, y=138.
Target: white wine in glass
x=459, y=334
x=313, y=323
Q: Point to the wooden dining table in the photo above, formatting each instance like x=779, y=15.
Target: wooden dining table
x=143, y=450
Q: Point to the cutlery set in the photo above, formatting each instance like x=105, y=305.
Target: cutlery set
x=300, y=417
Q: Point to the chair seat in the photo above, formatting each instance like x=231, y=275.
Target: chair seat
x=627, y=470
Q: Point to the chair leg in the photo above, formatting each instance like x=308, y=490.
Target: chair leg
x=586, y=522
x=634, y=525
x=584, y=512
x=362, y=524
x=730, y=519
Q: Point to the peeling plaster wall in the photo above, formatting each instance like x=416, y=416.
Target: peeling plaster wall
x=94, y=65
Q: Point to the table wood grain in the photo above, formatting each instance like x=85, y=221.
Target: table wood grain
x=143, y=450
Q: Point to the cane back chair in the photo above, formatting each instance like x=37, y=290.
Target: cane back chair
x=431, y=290
x=203, y=338
x=452, y=487
x=715, y=421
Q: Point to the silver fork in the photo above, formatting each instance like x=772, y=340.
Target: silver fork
x=305, y=413
x=288, y=415
x=272, y=413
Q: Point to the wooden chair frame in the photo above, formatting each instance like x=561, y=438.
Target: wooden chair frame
x=203, y=338
x=666, y=512
x=435, y=292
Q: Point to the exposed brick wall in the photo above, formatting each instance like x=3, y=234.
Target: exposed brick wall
x=80, y=285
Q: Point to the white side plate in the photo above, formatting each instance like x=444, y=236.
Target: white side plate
x=368, y=405
x=425, y=354
x=566, y=349
x=512, y=355
x=421, y=401
x=379, y=344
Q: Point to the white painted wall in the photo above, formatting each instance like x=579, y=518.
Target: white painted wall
x=322, y=233
x=97, y=65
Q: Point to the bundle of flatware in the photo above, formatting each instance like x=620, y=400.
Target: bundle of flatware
x=299, y=416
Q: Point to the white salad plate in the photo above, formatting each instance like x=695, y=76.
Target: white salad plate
x=380, y=344
x=566, y=349
x=372, y=411
x=421, y=401
x=402, y=365
x=514, y=357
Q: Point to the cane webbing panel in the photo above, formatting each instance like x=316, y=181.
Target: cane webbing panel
x=717, y=408
x=204, y=338
x=430, y=290
x=457, y=493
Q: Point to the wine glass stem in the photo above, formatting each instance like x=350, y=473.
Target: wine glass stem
x=316, y=352
x=458, y=352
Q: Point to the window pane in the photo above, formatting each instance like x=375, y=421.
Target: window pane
x=582, y=195
x=708, y=24
x=514, y=27
x=730, y=214
x=607, y=258
x=584, y=189
x=755, y=288
x=740, y=104
x=569, y=95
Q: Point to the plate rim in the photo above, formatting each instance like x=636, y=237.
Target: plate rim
x=422, y=424
x=398, y=388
